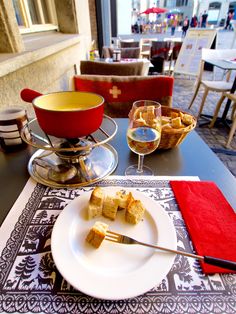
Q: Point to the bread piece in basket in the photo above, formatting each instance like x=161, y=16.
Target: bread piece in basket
x=172, y=136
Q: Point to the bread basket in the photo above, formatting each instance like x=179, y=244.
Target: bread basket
x=171, y=137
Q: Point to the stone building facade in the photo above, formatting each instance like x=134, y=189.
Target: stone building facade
x=217, y=10
x=43, y=61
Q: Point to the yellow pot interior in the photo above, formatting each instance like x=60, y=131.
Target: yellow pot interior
x=68, y=101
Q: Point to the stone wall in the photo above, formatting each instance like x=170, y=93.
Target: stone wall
x=93, y=21
x=10, y=37
x=46, y=68
x=50, y=74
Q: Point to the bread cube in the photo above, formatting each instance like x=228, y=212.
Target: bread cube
x=95, y=203
x=110, y=207
x=97, y=196
x=166, y=126
x=97, y=234
x=134, y=212
x=174, y=115
x=165, y=120
x=176, y=123
x=124, y=199
x=94, y=211
x=186, y=118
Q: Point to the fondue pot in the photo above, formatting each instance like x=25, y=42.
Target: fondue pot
x=67, y=114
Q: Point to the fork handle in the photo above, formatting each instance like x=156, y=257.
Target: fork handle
x=220, y=262
x=207, y=259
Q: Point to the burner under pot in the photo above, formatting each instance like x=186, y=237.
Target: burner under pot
x=85, y=146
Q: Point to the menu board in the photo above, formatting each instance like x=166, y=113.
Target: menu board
x=189, y=58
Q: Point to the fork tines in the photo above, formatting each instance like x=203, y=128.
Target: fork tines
x=112, y=236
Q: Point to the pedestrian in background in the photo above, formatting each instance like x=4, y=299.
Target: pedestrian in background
x=228, y=20
x=194, y=21
x=204, y=19
x=185, y=26
x=174, y=23
x=165, y=25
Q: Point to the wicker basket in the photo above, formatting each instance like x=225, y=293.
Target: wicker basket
x=173, y=137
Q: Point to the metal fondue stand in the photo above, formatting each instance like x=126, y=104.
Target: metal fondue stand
x=92, y=156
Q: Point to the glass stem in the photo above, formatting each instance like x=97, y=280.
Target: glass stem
x=140, y=163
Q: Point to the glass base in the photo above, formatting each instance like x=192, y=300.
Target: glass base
x=133, y=171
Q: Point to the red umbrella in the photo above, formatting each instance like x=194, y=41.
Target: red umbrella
x=154, y=10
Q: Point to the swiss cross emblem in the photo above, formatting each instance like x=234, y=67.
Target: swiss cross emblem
x=115, y=91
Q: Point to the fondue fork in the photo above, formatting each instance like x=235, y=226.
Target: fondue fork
x=123, y=239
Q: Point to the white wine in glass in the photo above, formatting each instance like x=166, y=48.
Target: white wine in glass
x=144, y=133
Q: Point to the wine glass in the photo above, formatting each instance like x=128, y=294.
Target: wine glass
x=144, y=133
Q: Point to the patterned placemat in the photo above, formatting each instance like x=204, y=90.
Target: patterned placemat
x=30, y=282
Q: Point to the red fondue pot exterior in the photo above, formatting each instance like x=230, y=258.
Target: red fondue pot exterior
x=69, y=114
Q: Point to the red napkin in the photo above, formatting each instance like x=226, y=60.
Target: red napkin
x=210, y=220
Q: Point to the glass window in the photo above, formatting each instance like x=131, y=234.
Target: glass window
x=171, y=3
x=214, y=5
x=18, y=13
x=45, y=11
x=179, y=3
x=35, y=15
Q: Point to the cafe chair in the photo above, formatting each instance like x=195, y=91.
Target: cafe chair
x=175, y=50
x=232, y=97
x=145, y=46
x=130, y=53
x=120, y=92
x=129, y=44
x=160, y=52
x=113, y=68
x=126, y=53
x=212, y=85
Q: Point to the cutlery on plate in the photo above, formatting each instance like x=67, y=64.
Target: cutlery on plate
x=120, y=238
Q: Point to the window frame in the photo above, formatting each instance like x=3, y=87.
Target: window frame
x=29, y=27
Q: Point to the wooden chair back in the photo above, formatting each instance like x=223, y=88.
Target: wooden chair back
x=129, y=44
x=112, y=68
x=160, y=49
x=126, y=53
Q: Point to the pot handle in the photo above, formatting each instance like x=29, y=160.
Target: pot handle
x=29, y=94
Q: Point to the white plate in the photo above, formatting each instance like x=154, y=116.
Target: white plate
x=114, y=271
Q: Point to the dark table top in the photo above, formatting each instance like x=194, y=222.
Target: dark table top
x=192, y=158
